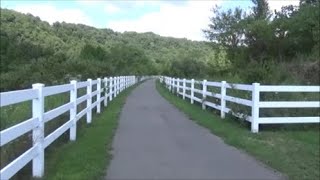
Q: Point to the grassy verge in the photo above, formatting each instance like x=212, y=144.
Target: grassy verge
x=294, y=152
x=88, y=156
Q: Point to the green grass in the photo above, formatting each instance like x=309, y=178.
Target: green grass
x=295, y=151
x=89, y=155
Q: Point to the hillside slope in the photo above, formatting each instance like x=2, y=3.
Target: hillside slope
x=35, y=51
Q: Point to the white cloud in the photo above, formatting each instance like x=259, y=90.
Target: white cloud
x=111, y=9
x=90, y=2
x=184, y=21
x=52, y=14
x=277, y=4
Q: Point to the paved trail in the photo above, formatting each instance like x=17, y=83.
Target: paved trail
x=154, y=140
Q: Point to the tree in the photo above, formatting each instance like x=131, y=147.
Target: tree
x=261, y=10
x=226, y=27
x=297, y=29
x=258, y=32
x=309, y=2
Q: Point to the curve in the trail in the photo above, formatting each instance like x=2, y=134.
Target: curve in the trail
x=154, y=140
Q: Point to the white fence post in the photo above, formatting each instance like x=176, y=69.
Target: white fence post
x=126, y=82
x=184, y=89
x=122, y=83
x=99, y=95
x=115, y=87
x=255, y=108
x=178, y=84
x=118, y=85
x=167, y=82
x=222, y=100
x=110, y=88
x=192, y=91
x=89, y=101
x=105, y=92
x=171, y=84
x=129, y=81
x=73, y=111
x=204, y=95
x=38, y=132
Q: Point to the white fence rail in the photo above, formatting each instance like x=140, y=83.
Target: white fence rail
x=111, y=87
x=174, y=85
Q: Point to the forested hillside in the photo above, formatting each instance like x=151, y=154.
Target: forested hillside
x=35, y=51
x=246, y=46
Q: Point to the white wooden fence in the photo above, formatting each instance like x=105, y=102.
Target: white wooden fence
x=107, y=88
x=174, y=85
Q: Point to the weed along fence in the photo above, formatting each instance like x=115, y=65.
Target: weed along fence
x=199, y=92
x=106, y=89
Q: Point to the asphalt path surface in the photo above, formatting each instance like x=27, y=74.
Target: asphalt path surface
x=154, y=140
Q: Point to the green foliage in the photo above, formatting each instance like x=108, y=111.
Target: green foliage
x=188, y=65
x=262, y=41
x=260, y=9
x=130, y=59
x=218, y=62
x=35, y=51
x=225, y=27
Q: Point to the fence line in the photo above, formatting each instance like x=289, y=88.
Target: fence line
x=111, y=86
x=174, y=85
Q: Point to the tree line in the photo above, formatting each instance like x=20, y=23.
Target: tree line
x=35, y=51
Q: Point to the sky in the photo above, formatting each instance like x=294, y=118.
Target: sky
x=175, y=18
